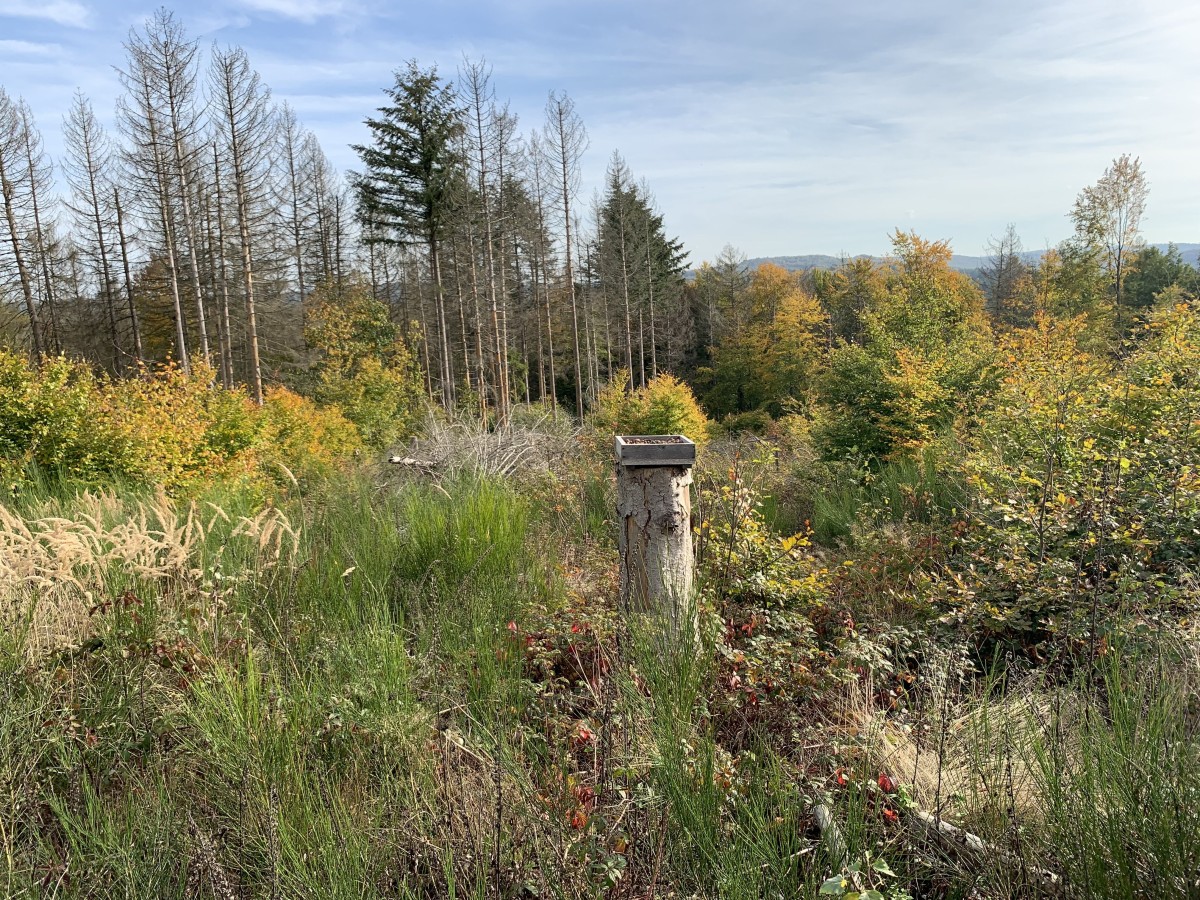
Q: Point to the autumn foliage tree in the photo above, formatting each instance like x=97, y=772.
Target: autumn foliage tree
x=770, y=358
x=1108, y=216
x=923, y=355
x=363, y=367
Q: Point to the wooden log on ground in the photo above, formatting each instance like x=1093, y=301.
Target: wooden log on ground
x=831, y=835
x=957, y=839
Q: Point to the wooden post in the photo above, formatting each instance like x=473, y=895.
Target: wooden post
x=654, y=507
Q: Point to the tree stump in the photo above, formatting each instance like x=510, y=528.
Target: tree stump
x=654, y=508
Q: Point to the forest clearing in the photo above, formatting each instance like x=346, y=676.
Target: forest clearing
x=938, y=632
x=348, y=678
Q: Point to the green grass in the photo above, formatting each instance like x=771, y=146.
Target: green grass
x=911, y=489
x=1116, y=765
x=299, y=750
x=355, y=717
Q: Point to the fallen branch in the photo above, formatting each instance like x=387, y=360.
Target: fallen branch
x=957, y=839
x=831, y=835
x=424, y=466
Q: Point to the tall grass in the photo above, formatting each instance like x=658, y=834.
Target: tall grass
x=387, y=690
x=270, y=717
x=1116, y=765
x=916, y=489
x=728, y=828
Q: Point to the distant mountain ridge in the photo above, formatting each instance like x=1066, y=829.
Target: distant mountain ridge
x=1189, y=252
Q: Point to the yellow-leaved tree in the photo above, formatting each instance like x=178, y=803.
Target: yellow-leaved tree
x=664, y=406
x=364, y=368
x=770, y=358
x=921, y=360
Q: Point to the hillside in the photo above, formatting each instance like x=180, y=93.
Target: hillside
x=964, y=263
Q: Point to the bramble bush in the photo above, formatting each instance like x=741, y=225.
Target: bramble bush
x=778, y=640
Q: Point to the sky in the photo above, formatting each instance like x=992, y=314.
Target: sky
x=779, y=127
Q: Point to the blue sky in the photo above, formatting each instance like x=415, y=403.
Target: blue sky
x=778, y=127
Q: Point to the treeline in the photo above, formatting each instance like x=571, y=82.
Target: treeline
x=878, y=358
x=201, y=230
x=213, y=229
x=190, y=234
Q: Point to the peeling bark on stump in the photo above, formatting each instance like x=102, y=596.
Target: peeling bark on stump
x=654, y=507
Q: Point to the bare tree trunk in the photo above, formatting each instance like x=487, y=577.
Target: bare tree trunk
x=462, y=313
x=91, y=156
x=435, y=264
x=223, y=335
x=477, y=78
x=568, y=138
x=256, y=384
x=541, y=359
x=189, y=227
x=425, y=337
x=481, y=365
x=538, y=158
x=176, y=298
x=163, y=201
x=36, y=180
x=35, y=331
x=133, y=315
x=653, y=330
x=628, y=313
x=290, y=141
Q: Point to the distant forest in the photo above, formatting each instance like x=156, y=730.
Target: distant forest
x=208, y=228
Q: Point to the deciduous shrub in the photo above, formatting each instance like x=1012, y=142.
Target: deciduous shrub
x=664, y=406
x=162, y=427
x=48, y=418
x=307, y=439
x=365, y=368
x=177, y=429
x=1087, y=501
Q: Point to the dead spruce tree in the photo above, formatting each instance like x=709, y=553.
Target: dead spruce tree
x=88, y=167
x=565, y=141
x=17, y=189
x=243, y=126
x=160, y=119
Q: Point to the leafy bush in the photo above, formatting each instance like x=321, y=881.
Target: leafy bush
x=161, y=427
x=756, y=421
x=365, y=369
x=177, y=429
x=48, y=419
x=1086, y=496
x=385, y=401
x=923, y=357
x=307, y=439
x=664, y=406
x=768, y=591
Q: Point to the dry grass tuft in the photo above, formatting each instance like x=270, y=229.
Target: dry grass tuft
x=55, y=568
x=530, y=448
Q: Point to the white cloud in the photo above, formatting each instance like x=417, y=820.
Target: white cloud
x=61, y=12
x=28, y=48
x=307, y=11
